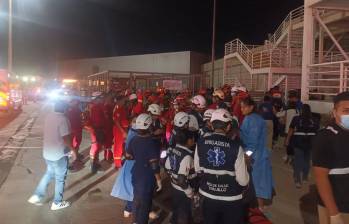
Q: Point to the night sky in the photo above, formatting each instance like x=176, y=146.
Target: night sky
x=49, y=30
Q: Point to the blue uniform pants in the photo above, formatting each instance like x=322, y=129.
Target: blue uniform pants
x=141, y=207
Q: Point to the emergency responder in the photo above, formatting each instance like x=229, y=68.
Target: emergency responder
x=241, y=94
x=74, y=115
x=198, y=109
x=95, y=125
x=208, y=126
x=144, y=150
x=120, y=129
x=218, y=100
x=108, y=128
x=331, y=165
x=158, y=130
x=220, y=163
x=180, y=166
x=180, y=121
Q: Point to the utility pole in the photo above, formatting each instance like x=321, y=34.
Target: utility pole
x=10, y=49
x=213, y=41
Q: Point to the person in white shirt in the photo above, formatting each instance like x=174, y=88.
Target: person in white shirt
x=56, y=148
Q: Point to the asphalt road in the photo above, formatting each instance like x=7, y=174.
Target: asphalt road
x=23, y=166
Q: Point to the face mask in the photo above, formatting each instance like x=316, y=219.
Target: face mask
x=345, y=121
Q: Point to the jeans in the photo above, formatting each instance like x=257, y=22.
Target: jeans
x=56, y=170
x=301, y=165
x=128, y=206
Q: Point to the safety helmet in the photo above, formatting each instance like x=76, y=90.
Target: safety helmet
x=202, y=92
x=193, y=123
x=242, y=89
x=154, y=109
x=218, y=93
x=221, y=115
x=208, y=114
x=96, y=94
x=199, y=101
x=133, y=96
x=143, y=121
x=180, y=119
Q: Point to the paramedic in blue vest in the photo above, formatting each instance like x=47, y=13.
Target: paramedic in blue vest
x=331, y=165
x=145, y=151
x=180, y=166
x=220, y=164
x=253, y=132
x=302, y=129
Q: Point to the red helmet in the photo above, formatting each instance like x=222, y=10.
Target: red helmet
x=202, y=92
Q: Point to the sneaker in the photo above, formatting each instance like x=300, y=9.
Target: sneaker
x=35, y=200
x=127, y=214
x=153, y=215
x=298, y=185
x=60, y=205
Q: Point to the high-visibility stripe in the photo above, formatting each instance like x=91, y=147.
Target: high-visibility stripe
x=339, y=171
x=304, y=134
x=221, y=198
x=217, y=172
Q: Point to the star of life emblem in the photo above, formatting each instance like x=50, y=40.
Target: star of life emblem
x=216, y=157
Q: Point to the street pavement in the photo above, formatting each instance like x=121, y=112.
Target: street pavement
x=90, y=194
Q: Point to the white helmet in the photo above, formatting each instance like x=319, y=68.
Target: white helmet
x=208, y=114
x=180, y=119
x=154, y=109
x=96, y=94
x=242, y=89
x=221, y=115
x=143, y=121
x=193, y=123
x=218, y=93
x=133, y=96
x=199, y=101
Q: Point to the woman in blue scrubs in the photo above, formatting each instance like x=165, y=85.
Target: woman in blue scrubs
x=254, y=137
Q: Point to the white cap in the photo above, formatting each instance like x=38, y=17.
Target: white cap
x=154, y=109
x=199, y=101
x=96, y=94
x=133, y=96
x=180, y=119
x=143, y=121
x=193, y=123
x=219, y=93
x=208, y=114
x=221, y=115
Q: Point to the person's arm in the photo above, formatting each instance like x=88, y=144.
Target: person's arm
x=196, y=160
x=325, y=189
x=242, y=176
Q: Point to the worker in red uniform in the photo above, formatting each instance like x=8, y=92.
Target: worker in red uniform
x=120, y=129
x=240, y=93
x=108, y=128
x=95, y=125
x=74, y=115
x=218, y=100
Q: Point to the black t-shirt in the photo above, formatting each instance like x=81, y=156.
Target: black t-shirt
x=331, y=151
x=304, y=131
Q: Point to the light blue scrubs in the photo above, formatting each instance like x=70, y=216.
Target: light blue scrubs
x=254, y=136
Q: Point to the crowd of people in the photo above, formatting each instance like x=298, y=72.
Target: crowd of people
x=214, y=145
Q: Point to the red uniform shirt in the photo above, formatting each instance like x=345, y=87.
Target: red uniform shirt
x=74, y=116
x=97, y=117
x=120, y=115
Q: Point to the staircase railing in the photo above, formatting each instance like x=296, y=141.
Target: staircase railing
x=295, y=16
x=328, y=79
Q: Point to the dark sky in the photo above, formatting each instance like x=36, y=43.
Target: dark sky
x=49, y=30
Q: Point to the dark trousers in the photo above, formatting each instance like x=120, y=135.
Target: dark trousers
x=301, y=164
x=141, y=207
x=181, y=208
x=222, y=212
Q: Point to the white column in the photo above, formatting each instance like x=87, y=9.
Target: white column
x=308, y=47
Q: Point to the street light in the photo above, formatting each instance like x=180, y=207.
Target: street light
x=9, y=52
x=213, y=41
